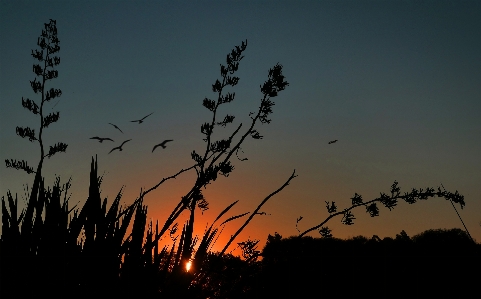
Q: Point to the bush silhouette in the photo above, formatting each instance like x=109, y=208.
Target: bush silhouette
x=431, y=263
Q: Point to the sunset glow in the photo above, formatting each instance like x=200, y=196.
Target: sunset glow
x=352, y=120
x=274, y=144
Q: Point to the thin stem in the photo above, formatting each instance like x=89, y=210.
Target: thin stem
x=257, y=210
x=419, y=195
x=167, y=178
x=462, y=221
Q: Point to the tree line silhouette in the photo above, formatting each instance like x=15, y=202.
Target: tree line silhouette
x=432, y=263
x=112, y=250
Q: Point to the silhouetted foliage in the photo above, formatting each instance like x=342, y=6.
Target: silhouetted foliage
x=225, y=276
x=215, y=159
x=89, y=249
x=431, y=263
x=388, y=201
x=48, y=44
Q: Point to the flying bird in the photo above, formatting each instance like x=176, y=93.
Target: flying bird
x=161, y=144
x=141, y=120
x=116, y=127
x=119, y=147
x=100, y=139
x=332, y=141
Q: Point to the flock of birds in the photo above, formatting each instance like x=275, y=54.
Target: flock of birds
x=162, y=144
x=102, y=139
x=139, y=121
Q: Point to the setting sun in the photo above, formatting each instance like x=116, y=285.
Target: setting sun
x=188, y=265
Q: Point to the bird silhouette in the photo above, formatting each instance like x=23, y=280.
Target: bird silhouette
x=161, y=144
x=141, y=120
x=119, y=147
x=332, y=141
x=116, y=127
x=100, y=139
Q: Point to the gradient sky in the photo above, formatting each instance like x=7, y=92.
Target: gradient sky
x=398, y=83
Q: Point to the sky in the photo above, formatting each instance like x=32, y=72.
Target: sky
x=397, y=83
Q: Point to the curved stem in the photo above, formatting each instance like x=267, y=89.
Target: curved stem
x=293, y=175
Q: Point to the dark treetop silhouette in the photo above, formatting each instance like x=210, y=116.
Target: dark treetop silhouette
x=142, y=119
x=119, y=147
x=101, y=139
x=116, y=127
x=399, y=267
x=162, y=144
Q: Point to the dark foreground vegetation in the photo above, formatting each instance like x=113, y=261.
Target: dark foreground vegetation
x=432, y=263
x=52, y=249
x=90, y=252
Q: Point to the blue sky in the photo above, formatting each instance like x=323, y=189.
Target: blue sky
x=396, y=82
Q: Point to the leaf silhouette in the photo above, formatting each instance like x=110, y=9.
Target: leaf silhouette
x=234, y=217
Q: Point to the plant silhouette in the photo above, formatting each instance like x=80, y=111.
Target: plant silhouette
x=216, y=157
x=48, y=44
x=88, y=250
x=431, y=263
x=389, y=201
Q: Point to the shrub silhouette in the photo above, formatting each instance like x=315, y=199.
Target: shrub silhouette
x=431, y=263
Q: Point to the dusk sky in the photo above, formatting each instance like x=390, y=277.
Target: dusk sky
x=397, y=83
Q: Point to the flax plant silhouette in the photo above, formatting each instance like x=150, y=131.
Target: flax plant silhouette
x=48, y=44
x=92, y=244
x=389, y=201
x=216, y=157
x=213, y=161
